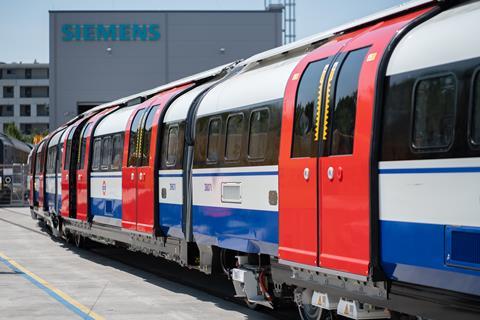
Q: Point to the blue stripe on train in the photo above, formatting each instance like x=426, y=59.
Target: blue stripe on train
x=254, y=231
x=111, y=208
x=415, y=253
x=170, y=219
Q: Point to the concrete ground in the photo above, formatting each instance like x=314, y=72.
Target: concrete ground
x=45, y=279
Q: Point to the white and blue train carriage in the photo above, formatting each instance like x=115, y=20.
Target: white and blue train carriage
x=106, y=167
x=53, y=176
x=170, y=174
x=235, y=166
x=429, y=171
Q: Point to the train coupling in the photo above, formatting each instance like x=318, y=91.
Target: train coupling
x=250, y=283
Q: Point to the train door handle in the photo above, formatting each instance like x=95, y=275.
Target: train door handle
x=306, y=174
x=141, y=175
x=79, y=177
x=339, y=173
x=132, y=176
x=330, y=173
x=66, y=177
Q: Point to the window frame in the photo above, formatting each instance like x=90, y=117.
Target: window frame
x=96, y=167
x=226, y=138
x=106, y=167
x=433, y=149
x=170, y=127
x=207, y=160
x=81, y=157
x=120, y=138
x=471, y=106
x=250, y=158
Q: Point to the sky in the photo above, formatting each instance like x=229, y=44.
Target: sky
x=24, y=23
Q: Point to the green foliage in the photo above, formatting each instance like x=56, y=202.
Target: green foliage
x=11, y=130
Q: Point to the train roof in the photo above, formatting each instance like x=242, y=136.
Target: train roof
x=56, y=137
x=254, y=86
x=115, y=121
x=178, y=110
x=15, y=143
x=455, y=42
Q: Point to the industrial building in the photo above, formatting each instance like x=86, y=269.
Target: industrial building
x=98, y=56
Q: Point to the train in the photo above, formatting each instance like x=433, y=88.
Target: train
x=339, y=172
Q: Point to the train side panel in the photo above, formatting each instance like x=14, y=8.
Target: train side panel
x=429, y=169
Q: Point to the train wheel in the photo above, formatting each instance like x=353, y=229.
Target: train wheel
x=79, y=240
x=251, y=305
x=308, y=311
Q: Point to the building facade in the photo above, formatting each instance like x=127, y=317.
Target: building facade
x=99, y=56
x=24, y=96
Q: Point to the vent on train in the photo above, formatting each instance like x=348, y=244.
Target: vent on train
x=463, y=247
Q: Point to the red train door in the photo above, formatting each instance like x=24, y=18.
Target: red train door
x=129, y=170
x=298, y=234
x=146, y=175
x=82, y=173
x=344, y=165
x=41, y=175
x=65, y=163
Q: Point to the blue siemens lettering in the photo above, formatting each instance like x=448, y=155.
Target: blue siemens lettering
x=110, y=32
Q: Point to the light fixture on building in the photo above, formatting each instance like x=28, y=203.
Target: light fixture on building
x=109, y=50
x=222, y=50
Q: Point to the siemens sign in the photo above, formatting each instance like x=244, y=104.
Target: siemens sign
x=110, y=32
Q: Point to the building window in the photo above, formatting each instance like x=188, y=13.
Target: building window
x=213, y=143
x=257, y=140
x=42, y=110
x=26, y=128
x=8, y=92
x=234, y=137
x=25, y=110
x=434, y=112
x=6, y=110
x=28, y=73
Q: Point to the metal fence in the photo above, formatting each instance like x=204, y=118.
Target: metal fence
x=14, y=186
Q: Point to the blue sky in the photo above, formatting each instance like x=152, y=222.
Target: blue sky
x=24, y=23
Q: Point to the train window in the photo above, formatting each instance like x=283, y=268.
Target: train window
x=106, y=153
x=117, y=152
x=133, y=152
x=213, y=143
x=257, y=140
x=234, y=137
x=172, y=145
x=434, y=112
x=51, y=158
x=305, y=106
x=475, y=121
x=37, y=159
x=343, y=121
x=83, y=147
x=147, y=135
x=97, y=149
x=69, y=149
